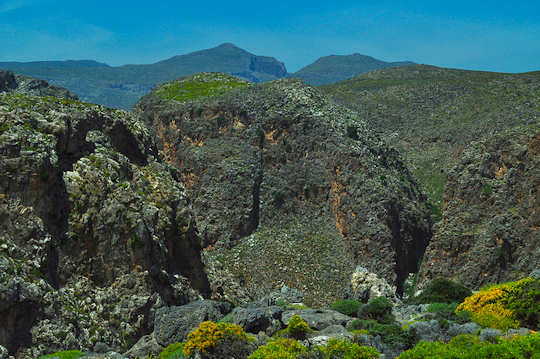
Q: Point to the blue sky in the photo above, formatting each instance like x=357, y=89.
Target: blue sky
x=485, y=35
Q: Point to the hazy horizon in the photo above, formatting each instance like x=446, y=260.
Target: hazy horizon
x=503, y=37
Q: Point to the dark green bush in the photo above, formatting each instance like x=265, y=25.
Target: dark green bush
x=391, y=334
x=347, y=306
x=469, y=347
x=442, y=290
x=525, y=303
x=447, y=311
x=379, y=309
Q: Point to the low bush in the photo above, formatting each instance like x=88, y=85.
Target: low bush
x=469, y=347
x=347, y=306
x=67, y=354
x=344, y=349
x=447, y=311
x=283, y=348
x=506, y=305
x=442, y=290
x=216, y=340
x=297, y=327
x=391, y=334
x=173, y=351
x=379, y=309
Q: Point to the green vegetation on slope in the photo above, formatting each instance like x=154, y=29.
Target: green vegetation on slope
x=431, y=113
x=199, y=86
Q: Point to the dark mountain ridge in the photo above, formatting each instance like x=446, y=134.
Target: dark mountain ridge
x=122, y=86
x=334, y=68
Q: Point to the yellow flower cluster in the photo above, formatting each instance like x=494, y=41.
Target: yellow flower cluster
x=488, y=306
x=209, y=334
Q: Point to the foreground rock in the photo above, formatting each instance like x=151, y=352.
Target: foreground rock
x=96, y=232
x=489, y=229
x=288, y=188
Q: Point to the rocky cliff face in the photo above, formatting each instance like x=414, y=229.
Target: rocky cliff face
x=287, y=187
x=491, y=215
x=96, y=232
x=19, y=84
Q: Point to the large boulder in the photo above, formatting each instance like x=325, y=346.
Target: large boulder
x=256, y=319
x=317, y=319
x=491, y=214
x=173, y=324
x=288, y=188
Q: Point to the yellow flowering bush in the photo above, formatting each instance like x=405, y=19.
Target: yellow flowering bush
x=506, y=305
x=209, y=335
x=283, y=348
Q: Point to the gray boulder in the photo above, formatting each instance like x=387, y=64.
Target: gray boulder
x=429, y=331
x=317, y=319
x=535, y=274
x=254, y=320
x=146, y=346
x=173, y=324
x=467, y=328
x=489, y=334
x=331, y=332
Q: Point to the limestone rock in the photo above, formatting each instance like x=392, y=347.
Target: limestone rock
x=173, y=324
x=317, y=319
x=96, y=232
x=366, y=285
x=146, y=346
x=489, y=229
x=256, y=319
x=10, y=82
x=288, y=188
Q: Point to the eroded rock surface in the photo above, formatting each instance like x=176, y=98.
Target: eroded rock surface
x=96, y=233
x=489, y=232
x=19, y=84
x=288, y=188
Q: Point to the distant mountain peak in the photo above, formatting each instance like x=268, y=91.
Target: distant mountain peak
x=334, y=68
x=227, y=45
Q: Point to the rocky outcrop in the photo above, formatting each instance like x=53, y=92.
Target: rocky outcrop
x=96, y=233
x=173, y=324
x=19, y=84
x=489, y=232
x=288, y=188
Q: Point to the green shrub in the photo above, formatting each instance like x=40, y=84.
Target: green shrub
x=282, y=348
x=379, y=309
x=173, y=351
x=447, y=311
x=297, y=327
x=67, y=354
x=442, y=290
x=469, y=347
x=391, y=334
x=344, y=349
x=347, y=306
